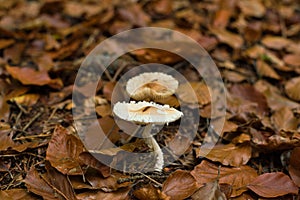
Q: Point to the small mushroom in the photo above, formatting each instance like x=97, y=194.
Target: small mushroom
x=151, y=86
x=149, y=114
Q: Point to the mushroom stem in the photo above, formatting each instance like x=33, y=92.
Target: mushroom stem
x=157, y=150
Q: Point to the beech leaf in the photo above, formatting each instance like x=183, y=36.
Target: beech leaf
x=273, y=185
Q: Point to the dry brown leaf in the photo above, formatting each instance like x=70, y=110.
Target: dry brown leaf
x=37, y=184
x=179, y=144
x=292, y=88
x=264, y=69
x=233, y=40
x=87, y=159
x=29, y=76
x=237, y=177
x=179, y=185
x=63, y=151
x=229, y=154
x=161, y=7
x=171, y=101
x=6, y=141
x=253, y=8
x=16, y=194
x=233, y=76
x=284, y=119
x=149, y=193
x=275, y=42
x=294, y=166
x=273, y=185
x=96, y=138
x=156, y=56
x=281, y=141
x=103, y=110
x=134, y=14
x=249, y=93
x=274, y=97
x=58, y=182
x=6, y=43
x=121, y=194
x=108, y=184
x=14, y=53
x=255, y=51
x=108, y=89
x=26, y=99
x=194, y=92
x=292, y=59
x=223, y=15
x=211, y=191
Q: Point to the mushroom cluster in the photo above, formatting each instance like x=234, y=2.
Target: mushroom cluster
x=146, y=88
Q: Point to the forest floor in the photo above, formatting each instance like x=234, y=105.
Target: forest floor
x=45, y=153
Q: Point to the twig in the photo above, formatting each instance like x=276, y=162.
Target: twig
x=151, y=179
x=119, y=70
x=32, y=120
x=21, y=108
x=33, y=136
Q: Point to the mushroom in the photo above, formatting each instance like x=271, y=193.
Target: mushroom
x=151, y=86
x=149, y=114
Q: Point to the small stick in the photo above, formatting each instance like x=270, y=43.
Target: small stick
x=151, y=179
x=31, y=121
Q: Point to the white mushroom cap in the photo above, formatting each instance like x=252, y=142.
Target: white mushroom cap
x=146, y=112
x=151, y=85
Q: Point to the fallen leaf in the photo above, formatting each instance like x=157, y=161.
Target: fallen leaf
x=249, y=93
x=224, y=13
x=108, y=184
x=89, y=160
x=252, y=8
x=229, y=154
x=149, y=193
x=172, y=101
x=58, y=182
x=294, y=166
x=179, y=144
x=273, y=185
x=97, y=139
x=161, y=7
x=6, y=43
x=211, y=191
x=156, y=56
x=233, y=40
x=63, y=151
x=284, y=119
x=16, y=194
x=14, y=53
x=255, y=51
x=237, y=177
x=179, y=185
x=233, y=76
x=264, y=69
x=194, y=92
x=134, y=14
x=121, y=194
x=29, y=76
x=36, y=184
x=103, y=110
x=108, y=89
x=6, y=142
x=292, y=88
x=292, y=59
x=26, y=99
x=274, y=97
x=275, y=42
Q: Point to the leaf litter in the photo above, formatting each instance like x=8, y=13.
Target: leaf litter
x=255, y=45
